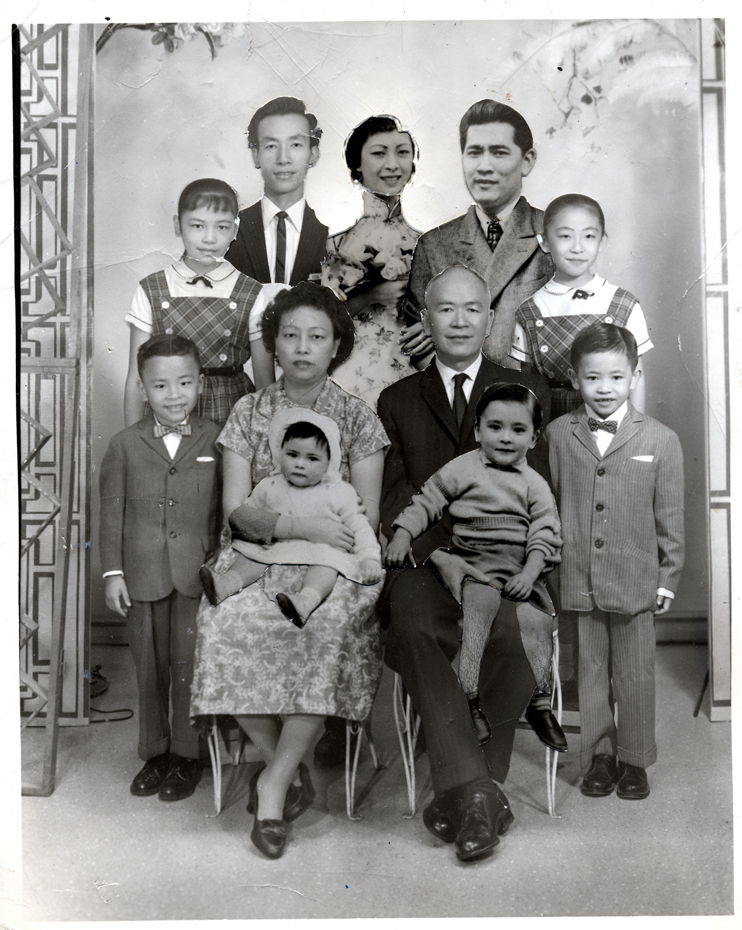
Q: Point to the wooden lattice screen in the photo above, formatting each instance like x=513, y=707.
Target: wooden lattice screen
x=53, y=71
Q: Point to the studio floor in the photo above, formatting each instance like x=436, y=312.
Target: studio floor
x=92, y=851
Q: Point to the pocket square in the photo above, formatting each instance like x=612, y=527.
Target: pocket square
x=205, y=458
x=643, y=458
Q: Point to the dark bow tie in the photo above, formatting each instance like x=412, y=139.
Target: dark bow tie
x=200, y=277
x=184, y=429
x=610, y=426
x=579, y=294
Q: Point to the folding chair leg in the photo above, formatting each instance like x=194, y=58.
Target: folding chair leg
x=407, y=730
x=551, y=755
x=216, y=766
x=352, y=728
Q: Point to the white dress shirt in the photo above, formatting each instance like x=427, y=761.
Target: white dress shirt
x=447, y=375
x=293, y=230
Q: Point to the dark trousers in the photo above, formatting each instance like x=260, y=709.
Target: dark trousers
x=422, y=640
x=162, y=637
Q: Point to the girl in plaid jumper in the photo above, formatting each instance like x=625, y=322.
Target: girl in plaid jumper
x=547, y=322
x=206, y=299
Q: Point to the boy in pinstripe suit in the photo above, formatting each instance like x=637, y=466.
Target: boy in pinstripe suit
x=618, y=478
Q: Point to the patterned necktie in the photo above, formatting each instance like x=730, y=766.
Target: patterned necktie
x=200, y=277
x=610, y=426
x=494, y=233
x=161, y=430
x=459, y=398
x=281, y=247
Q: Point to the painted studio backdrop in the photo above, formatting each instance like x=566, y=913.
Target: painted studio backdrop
x=616, y=113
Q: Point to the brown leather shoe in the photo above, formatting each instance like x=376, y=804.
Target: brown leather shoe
x=182, y=778
x=149, y=779
x=632, y=782
x=601, y=777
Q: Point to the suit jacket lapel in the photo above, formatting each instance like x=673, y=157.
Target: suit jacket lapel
x=148, y=436
x=628, y=428
x=434, y=395
x=582, y=431
x=305, y=253
x=189, y=443
x=517, y=245
x=255, y=242
x=472, y=249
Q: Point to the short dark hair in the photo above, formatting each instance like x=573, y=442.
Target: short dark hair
x=303, y=429
x=210, y=193
x=573, y=200
x=514, y=393
x=308, y=294
x=283, y=106
x=604, y=337
x=490, y=111
x=165, y=346
x=363, y=132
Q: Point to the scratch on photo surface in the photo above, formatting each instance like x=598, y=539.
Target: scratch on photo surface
x=283, y=888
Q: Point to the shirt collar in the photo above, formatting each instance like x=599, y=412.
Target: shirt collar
x=447, y=374
x=295, y=212
x=617, y=415
x=502, y=215
x=553, y=287
x=222, y=271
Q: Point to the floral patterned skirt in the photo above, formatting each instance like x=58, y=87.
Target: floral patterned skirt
x=376, y=360
x=251, y=660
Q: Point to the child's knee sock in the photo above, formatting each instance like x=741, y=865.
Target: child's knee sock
x=480, y=603
x=220, y=585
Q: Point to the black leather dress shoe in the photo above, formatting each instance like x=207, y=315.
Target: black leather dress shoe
x=330, y=750
x=270, y=837
x=299, y=797
x=485, y=817
x=442, y=816
x=632, y=782
x=544, y=724
x=149, y=779
x=182, y=778
x=601, y=777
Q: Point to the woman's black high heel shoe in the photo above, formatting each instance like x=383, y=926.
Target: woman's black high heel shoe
x=299, y=797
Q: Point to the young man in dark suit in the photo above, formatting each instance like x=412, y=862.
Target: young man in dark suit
x=158, y=523
x=429, y=418
x=280, y=240
x=497, y=236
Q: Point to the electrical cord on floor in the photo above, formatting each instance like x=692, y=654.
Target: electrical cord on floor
x=129, y=713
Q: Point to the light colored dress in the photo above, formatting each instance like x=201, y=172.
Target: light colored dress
x=378, y=248
x=249, y=659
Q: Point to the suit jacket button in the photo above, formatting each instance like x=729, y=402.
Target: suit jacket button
x=173, y=470
x=598, y=542
x=172, y=534
x=171, y=503
x=600, y=472
x=598, y=507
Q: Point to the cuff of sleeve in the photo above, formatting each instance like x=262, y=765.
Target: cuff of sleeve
x=253, y=525
x=663, y=592
x=111, y=573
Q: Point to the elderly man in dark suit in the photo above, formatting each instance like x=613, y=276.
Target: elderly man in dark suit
x=497, y=236
x=429, y=418
x=280, y=240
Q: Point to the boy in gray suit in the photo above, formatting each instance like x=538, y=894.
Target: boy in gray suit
x=618, y=479
x=158, y=523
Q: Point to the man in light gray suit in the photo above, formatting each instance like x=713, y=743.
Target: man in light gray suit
x=497, y=236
